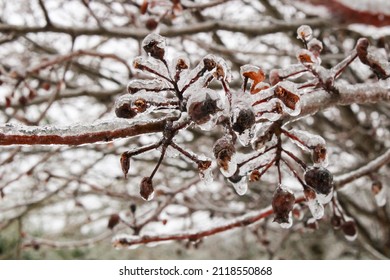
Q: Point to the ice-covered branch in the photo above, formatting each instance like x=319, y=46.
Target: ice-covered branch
x=78, y=134
x=348, y=94
x=243, y=221
x=368, y=168
x=109, y=130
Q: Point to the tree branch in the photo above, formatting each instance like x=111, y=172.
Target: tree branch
x=78, y=134
x=113, y=129
x=368, y=168
x=242, y=221
x=252, y=29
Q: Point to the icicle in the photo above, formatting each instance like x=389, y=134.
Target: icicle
x=240, y=185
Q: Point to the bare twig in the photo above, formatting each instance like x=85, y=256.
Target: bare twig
x=242, y=221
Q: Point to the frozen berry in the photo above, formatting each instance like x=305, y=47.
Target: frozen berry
x=209, y=64
x=287, y=97
x=201, y=111
x=320, y=179
x=319, y=154
x=223, y=152
x=146, y=188
x=349, y=230
x=113, y=221
x=125, y=111
x=151, y=24
x=141, y=105
x=154, y=49
x=244, y=120
x=282, y=204
x=125, y=163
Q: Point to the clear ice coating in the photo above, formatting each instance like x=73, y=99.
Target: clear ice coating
x=206, y=176
x=315, y=46
x=123, y=240
x=151, y=66
x=325, y=198
x=197, y=99
x=149, y=197
x=154, y=85
x=381, y=198
x=246, y=137
x=223, y=70
x=247, y=68
x=241, y=187
x=304, y=32
x=316, y=208
x=230, y=167
x=306, y=57
x=255, y=163
x=351, y=237
x=379, y=58
x=305, y=140
x=261, y=136
x=268, y=110
x=188, y=76
x=293, y=70
x=289, y=222
x=154, y=37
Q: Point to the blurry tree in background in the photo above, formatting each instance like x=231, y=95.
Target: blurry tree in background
x=133, y=123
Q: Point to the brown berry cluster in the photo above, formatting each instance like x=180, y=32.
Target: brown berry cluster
x=254, y=116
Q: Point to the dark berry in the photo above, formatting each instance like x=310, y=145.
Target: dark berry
x=151, y=24
x=22, y=100
x=245, y=120
x=146, y=188
x=133, y=208
x=349, y=228
x=336, y=221
x=282, y=204
x=320, y=179
x=223, y=151
x=125, y=163
x=200, y=111
x=113, y=221
x=125, y=111
x=154, y=50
